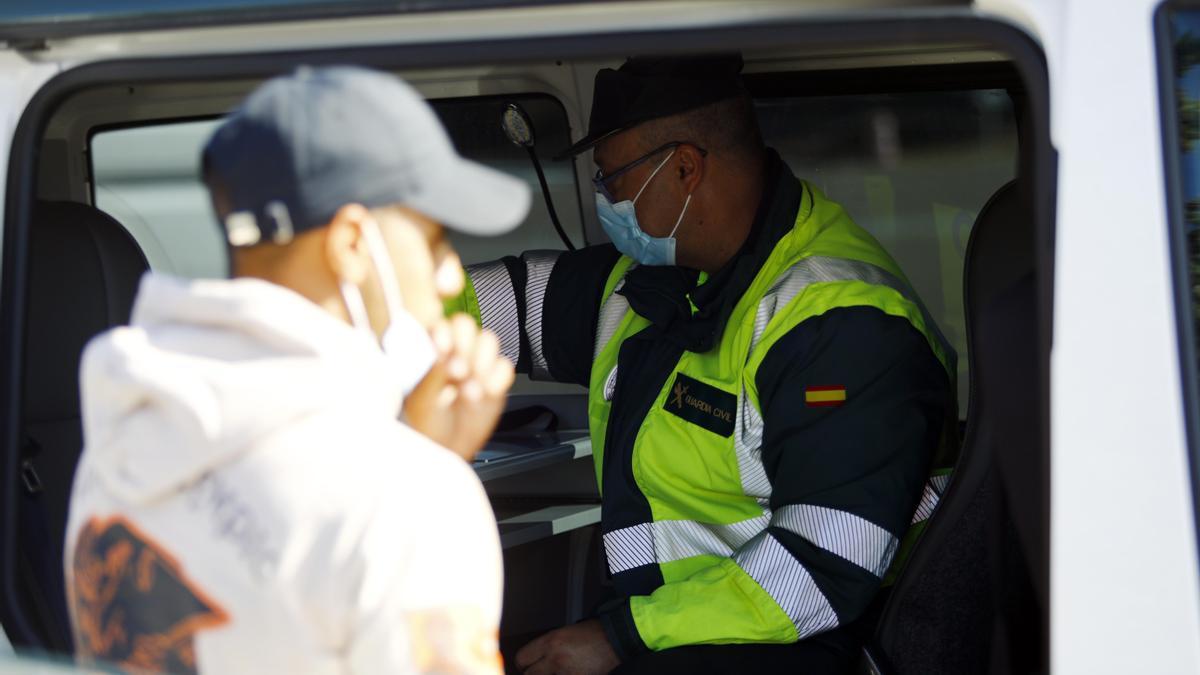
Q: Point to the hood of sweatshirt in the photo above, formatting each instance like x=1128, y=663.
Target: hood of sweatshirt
x=208, y=368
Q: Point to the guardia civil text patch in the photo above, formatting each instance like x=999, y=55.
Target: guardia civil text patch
x=702, y=404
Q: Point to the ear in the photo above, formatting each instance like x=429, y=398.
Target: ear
x=345, y=250
x=690, y=169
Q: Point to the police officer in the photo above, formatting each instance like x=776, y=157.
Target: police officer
x=766, y=393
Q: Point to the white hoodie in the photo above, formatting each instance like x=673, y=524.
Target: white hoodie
x=246, y=501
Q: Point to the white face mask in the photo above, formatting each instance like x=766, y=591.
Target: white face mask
x=405, y=341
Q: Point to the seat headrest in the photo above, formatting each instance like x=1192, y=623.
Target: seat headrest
x=83, y=274
x=1001, y=248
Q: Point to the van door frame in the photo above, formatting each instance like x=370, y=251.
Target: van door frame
x=925, y=28
x=1189, y=353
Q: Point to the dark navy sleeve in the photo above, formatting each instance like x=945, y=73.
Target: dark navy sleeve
x=544, y=305
x=853, y=404
x=572, y=309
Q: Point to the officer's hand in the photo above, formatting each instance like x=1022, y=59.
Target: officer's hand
x=460, y=400
x=581, y=649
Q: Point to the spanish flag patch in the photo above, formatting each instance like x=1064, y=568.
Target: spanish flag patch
x=824, y=397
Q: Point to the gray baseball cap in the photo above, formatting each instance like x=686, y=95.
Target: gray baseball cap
x=303, y=145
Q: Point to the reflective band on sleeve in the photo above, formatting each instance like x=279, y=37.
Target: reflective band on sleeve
x=629, y=547
x=929, y=500
x=930, y=497
x=683, y=539
x=748, y=431
x=498, y=305
x=666, y=541
x=940, y=482
x=747, y=445
x=843, y=534
x=538, y=265
x=679, y=539
x=787, y=582
x=818, y=269
x=610, y=318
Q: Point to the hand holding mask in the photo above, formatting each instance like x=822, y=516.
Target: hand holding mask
x=461, y=398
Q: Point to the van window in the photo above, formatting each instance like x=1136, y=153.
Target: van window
x=148, y=178
x=914, y=169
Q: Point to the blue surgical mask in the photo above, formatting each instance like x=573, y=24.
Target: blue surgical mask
x=620, y=223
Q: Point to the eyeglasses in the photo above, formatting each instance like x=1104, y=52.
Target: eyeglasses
x=602, y=180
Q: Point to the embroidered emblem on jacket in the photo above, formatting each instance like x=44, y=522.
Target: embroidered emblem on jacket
x=702, y=404
x=824, y=397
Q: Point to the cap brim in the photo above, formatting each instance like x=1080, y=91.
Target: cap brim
x=588, y=142
x=474, y=199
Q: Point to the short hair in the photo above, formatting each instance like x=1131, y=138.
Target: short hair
x=728, y=128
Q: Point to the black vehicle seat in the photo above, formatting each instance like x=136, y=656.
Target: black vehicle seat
x=965, y=602
x=83, y=275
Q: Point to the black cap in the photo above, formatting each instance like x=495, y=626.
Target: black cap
x=649, y=87
x=306, y=144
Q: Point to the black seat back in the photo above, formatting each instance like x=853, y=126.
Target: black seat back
x=953, y=607
x=83, y=274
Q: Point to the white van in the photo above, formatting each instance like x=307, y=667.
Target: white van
x=1032, y=164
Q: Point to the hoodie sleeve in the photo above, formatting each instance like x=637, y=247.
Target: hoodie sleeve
x=429, y=599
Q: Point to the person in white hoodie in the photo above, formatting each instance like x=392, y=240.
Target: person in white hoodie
x=247, y=500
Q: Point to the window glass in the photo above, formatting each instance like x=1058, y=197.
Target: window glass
x=148, y=178
x=914, y=169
